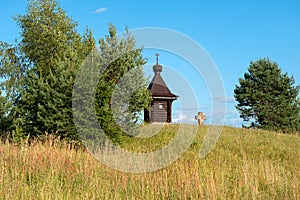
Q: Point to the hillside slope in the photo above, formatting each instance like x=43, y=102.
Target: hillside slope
x=245, y=164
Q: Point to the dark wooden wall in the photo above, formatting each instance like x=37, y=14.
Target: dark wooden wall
x=159, y=111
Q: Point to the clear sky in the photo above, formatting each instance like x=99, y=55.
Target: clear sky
x=233, y=33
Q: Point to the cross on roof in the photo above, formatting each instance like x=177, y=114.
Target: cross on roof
x=157, y=58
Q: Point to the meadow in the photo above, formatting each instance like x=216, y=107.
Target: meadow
x=245, y=164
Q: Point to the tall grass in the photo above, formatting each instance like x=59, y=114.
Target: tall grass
x=246, y=164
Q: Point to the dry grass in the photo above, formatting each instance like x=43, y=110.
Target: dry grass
x=244, y=165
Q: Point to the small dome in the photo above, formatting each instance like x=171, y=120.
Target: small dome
x=157, y=69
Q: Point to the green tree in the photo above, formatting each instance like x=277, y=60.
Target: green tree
x=46, y=104
x=120, y=101
x=268, y=98
x=39, y=71
x=5, y=120
x=47, y=33
x=13, y=70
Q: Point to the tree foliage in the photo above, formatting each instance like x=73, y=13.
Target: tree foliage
x=268, y=98
x=46, y=104
x=39, y=71
x=47, y=33
x=13, y=68
x=5, y=119
x=121, y=93
x=38, y=74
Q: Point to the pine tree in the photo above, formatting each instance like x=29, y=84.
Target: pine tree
x=122, y=58
x=268, y=98
x=46, y=104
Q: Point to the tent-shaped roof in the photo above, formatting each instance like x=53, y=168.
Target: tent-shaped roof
x=158, y=87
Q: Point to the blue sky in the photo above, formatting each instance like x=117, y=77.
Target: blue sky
x=233, y=33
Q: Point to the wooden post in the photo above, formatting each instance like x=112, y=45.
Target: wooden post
x=200, y=117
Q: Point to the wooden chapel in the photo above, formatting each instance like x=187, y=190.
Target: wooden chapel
x=162, y=99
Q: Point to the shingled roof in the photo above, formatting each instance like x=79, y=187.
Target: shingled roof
x=158, y=87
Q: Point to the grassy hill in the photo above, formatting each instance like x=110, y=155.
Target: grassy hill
x=246, y=164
